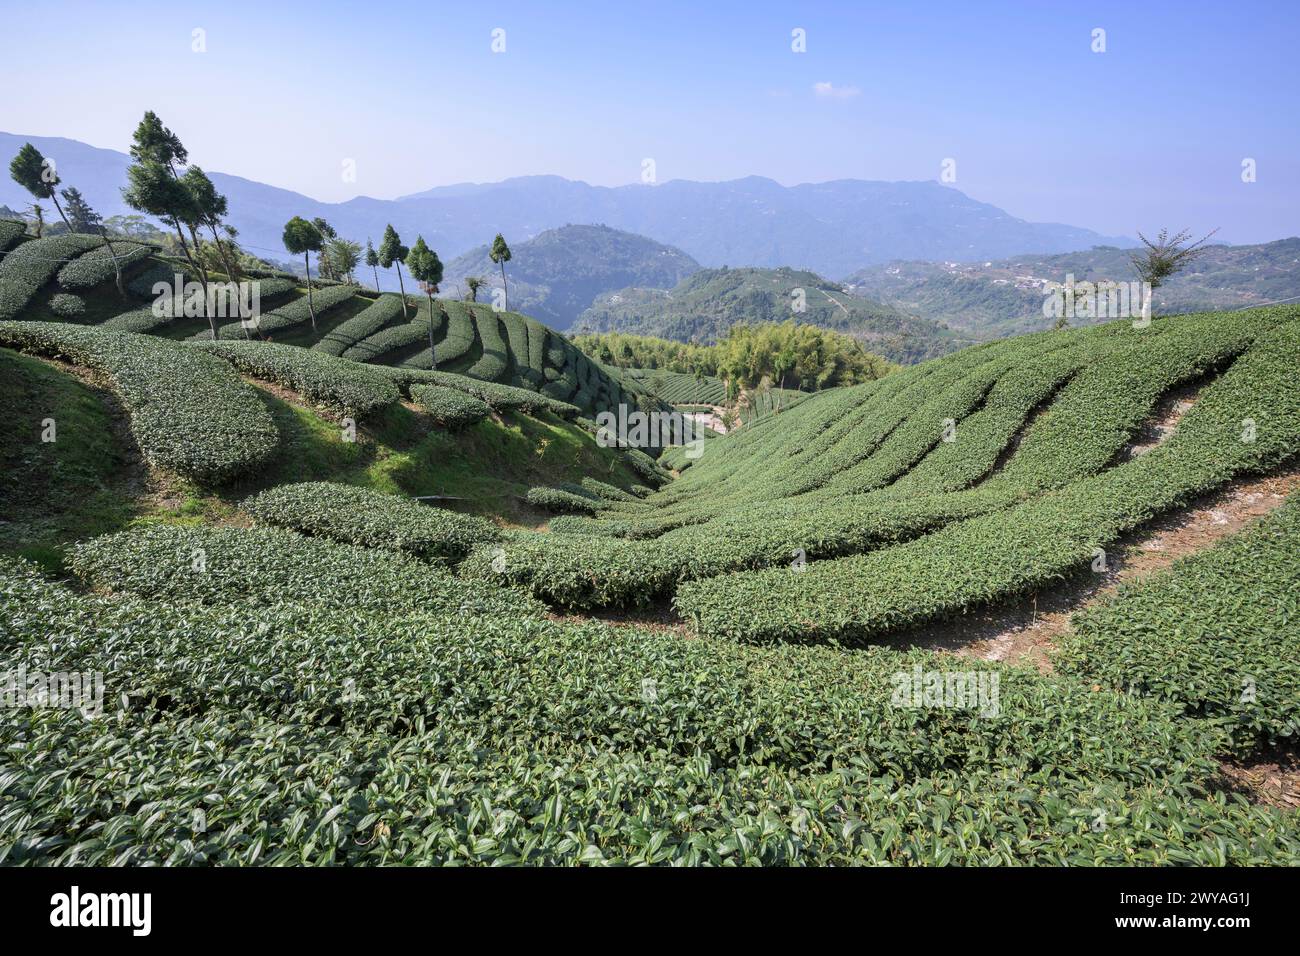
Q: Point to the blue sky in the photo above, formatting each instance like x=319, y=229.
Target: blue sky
x=1151, y=132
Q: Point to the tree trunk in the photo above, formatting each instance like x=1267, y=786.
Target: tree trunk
x=117, y=268
x=402, y=285
x=376, y=268
x=311, y=307
x=433, y=356
x=54, y=196
x=505, y=290
x=230, y=273
x=203, y=276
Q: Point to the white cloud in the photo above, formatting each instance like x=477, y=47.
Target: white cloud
x=831, y=91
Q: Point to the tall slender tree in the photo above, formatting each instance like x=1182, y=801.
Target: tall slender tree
x=325, y=264
x=473, y=283
x=211, y=207
x=392, y=251
x=426, y=267
x=154, y=187
x=300, y=236
x=500, y=253
x=372, y=260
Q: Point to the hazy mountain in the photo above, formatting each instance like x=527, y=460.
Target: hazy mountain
x=832, y=228
x=557, y=275
x=1005, y=297
x=703, y=306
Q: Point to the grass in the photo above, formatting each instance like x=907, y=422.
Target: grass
x=57, y=492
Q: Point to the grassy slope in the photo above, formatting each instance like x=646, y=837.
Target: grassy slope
x=80, y=486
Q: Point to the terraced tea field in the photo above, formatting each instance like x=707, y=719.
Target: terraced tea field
x=714, y=663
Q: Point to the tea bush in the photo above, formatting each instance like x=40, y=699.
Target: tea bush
x=96, y=266
x=366, y=323
x=29, y=266
x=67, y=306
x=452, y=408
x=1218, y=634
x=371, y=519
x=189, y=411
x=349, y=388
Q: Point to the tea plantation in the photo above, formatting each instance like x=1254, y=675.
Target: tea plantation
x=303, y=662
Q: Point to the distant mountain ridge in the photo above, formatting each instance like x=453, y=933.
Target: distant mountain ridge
x=1005, y=297
x=704, y=305
x=832, y=228
x=558, y=274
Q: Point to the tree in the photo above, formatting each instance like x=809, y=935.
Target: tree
x=372, y=260
x=344, y=254
x=81, y=217
x=473, y=283
x=426, y=268
x=210, y=207
x=501, y=254
x=36, y=174
x=392, y=251
x=154, y=188
x=324, y=265
x=302, y=236
x=1161, y=259
x=38, y=217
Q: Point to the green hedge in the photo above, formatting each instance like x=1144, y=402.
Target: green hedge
x=499, y=397
x=371, y=519
x=11, y=231
x=494, y=363
x=287, y=316
x=564, y=502
x=96, y=266
x=345, y=734
x=68, y=306
x=1218, y=634
x=450, y=407
x=362, y=325
x=190, y=412
x=461, y=334
x=28, y=267
x=268, y=566
x=349, y=388
x=990, y=558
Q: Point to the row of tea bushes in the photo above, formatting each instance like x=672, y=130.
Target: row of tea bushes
x=371, y=519
x=1246, y=421
x=452, y=408
x=190, y=412
x=265, y=566
x=25, y=269
x=96, y=266
x=287, y=316
x=365, y=323
x=349, y=388
x=1218, y=634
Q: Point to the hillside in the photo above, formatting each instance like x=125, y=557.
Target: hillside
x=1005, y=297
x=833, y=228
x=70, y=279
x=395, y=683
x=556, y=275
x=703, y=306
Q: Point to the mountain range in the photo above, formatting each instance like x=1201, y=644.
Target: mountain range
x=832, y=228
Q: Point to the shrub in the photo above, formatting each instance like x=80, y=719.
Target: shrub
x=32, y=264
x=11, y=232
x=370, y=320
x=287, y=316
x=559, y=500
x=371, y=519
x=346, y=387
x=1217, y=634
x=495, y=360
x=189, y=411
x=450, y=407
x=96, y=266
x=68, y=306
x=267, y=566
